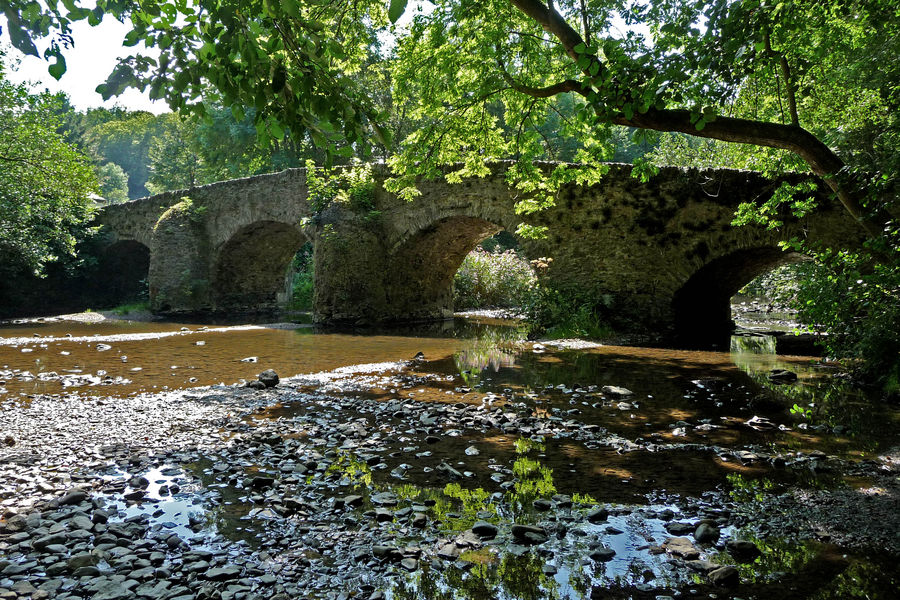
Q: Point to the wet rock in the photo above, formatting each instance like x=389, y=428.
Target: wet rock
x=384, y=499
x=82, y=560
x=250, y=359
x=484, y=530
x=74, y=497
x=782, y=376
x=529, y=534
x=138, y=483
x=269, y=378
x=602, y=554
x=681, y=546
x=111, y=590
x=449, y=551
x=383, y=515
x=562, y=501
x=89, y=571
x=702, y=566
x=353, y=500
x=616, y=391
x=262, y=482
x=410, y=564
x=100, y=516
x=419, y=521
x=727, y=576
x=542, y=504
x=706, y=533
x=743, y=550
x=598, y=515
x=223, y=573
x=449, y=471
x=15, y=524
x=678, y=528
x=255, y=385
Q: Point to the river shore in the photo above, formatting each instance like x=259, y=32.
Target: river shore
x=341, y=484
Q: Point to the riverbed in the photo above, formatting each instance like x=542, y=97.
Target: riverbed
x=454, y=460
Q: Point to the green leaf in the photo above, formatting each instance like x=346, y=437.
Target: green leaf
x=58, y=68
x=276, y=130
x=18, y=35
x=396, y=10
x=291, y=8
x=131, y=38
x=580, y=48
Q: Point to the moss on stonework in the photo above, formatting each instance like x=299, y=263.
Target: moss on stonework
x=186, y=208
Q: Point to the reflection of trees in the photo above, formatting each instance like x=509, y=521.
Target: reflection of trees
x=814, y=571
x=513, y=577
x=533, y=479
x=826, y=402
x=523, y=577
x=492, y=350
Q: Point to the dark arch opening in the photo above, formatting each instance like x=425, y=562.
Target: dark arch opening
x=702, y=307
x=425, y=265
x=251, y=272
x=122, y=271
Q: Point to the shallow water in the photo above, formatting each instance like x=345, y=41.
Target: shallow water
x=122, y=357
x=695, y=425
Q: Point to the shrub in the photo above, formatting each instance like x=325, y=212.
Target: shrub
x=353, y=185
x=302, y=284
x=492, y=280
x=856, y=300
x=557, y=314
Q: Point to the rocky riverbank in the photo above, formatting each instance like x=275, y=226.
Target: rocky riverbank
x=343, y=485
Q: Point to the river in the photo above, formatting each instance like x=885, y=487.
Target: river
x=370, y=471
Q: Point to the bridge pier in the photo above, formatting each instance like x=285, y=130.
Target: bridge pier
x=362, y=278
x=179, y=262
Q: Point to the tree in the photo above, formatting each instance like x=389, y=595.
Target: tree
x=125, y=141
x=113, y=183
x=174, y=162
x=45, y=183
x=667, y=65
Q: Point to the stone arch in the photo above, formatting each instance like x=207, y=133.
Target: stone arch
x=702, y=306
x=424, y=264
x=250, y=268
x=122, y=272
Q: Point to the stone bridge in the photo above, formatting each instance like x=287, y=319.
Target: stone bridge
x=658, y=256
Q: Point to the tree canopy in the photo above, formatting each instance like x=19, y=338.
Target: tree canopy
x=481, y=78
x=45, y=184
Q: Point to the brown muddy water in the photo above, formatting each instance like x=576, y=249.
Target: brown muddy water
x=705, y=430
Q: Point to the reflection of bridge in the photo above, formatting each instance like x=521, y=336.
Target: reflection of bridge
x=659, y=254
